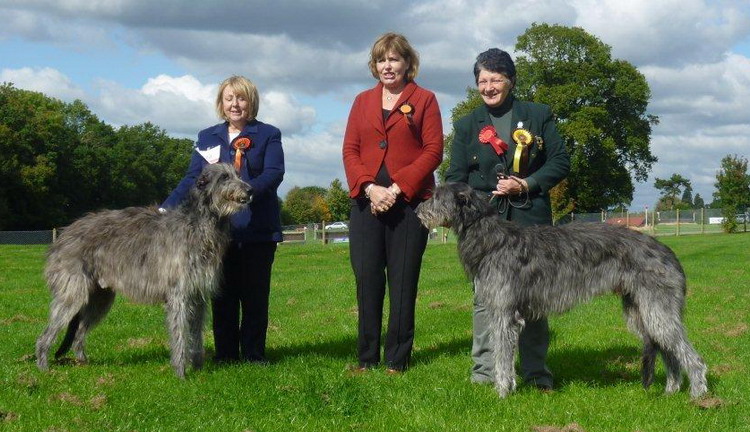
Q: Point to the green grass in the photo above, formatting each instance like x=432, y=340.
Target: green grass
x=129, y=386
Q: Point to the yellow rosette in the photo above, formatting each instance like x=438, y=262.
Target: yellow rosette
x=523, y=139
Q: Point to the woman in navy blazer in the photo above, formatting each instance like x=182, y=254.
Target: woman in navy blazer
x=392, y=145
x=255, y=231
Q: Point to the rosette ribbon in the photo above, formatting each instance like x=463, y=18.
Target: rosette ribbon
x=488, y=135
x=523, y=139
x=240, y=144
x=407, y=110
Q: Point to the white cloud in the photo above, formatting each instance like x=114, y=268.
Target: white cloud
x=701, y=96
x=665, y=32
x=318, y=50
x=285, y=112
x=49, y=81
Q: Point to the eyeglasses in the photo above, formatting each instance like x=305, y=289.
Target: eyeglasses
x=495, y=82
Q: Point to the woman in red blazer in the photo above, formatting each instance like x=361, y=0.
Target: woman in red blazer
x=392, y=146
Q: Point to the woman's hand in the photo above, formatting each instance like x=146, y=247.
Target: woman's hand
x=381, y=199
x=510, y=186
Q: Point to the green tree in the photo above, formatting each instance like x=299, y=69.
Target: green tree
x=687, y=196
x=732, y=193
x=299, y=204
x=698, y=201
x=58, y=161
x=338, y=201
x=670, y=190
x=600, y=104
x=35, y=143
x=147, y=166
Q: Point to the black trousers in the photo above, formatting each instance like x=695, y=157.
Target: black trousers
x=240, y=310
x=388, y=246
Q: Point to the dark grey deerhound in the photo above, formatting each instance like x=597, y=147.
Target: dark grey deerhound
x=531, y=272
x=148, y=256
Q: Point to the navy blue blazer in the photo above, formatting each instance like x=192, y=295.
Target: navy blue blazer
x=262, y=168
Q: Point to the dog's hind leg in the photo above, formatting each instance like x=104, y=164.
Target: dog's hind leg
x=674, y=372
x=99, y=304
x=61, y=314
x=669, y=334
x=504, y=342
x=635, y=324
x=70, y=335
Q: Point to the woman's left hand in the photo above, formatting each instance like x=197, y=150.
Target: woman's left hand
x=385, y=204
x=510, y=186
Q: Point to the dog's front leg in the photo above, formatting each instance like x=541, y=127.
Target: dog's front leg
x=197, y=316
x=504, y=341
x=178, y=325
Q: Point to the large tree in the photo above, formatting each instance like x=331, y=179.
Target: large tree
x=306, y=204
x=338, y=201
x=687, y=196
x=670, y=190
x=732, y=189
x=600, y=104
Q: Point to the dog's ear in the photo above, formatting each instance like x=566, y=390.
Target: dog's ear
x=463, y=197
x=202, y=181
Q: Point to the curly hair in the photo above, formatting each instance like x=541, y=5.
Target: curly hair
x=495, y=60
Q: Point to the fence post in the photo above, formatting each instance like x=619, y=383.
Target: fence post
x=703, y=220
x=677, y=231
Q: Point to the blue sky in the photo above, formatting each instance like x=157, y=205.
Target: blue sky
x=133, y=61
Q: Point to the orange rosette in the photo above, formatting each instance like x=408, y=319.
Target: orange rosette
x=407, y=110
x=240, y=144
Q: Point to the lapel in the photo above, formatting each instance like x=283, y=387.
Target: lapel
x=374, y=108
x=395, y=116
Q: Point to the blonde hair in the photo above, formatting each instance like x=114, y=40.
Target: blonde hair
x=397, y=43
x=241, y=87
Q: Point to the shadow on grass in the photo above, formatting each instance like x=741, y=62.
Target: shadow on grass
x=605, y=367
x=344, y=347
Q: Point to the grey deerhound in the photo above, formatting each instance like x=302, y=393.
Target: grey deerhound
x=148, y=256
x=531, y=272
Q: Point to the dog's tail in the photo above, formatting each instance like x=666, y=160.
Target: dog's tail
x=70, y=335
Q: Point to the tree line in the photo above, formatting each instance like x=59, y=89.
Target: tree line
x=732, y=194
x=58, y=160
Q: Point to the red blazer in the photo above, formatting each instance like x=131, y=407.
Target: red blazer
x=411, y=152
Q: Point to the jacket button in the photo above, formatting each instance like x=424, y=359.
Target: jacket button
x=383, y=144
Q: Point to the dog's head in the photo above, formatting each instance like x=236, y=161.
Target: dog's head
x=222, y=189
x=452, y=205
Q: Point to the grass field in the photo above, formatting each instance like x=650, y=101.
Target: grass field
x=129, y=386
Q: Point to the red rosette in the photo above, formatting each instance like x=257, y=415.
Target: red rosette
x=240, y=144
x=488, y=135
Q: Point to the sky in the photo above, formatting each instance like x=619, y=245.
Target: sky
x=136, y=61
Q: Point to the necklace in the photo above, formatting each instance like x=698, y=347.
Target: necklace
x=390, y=97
